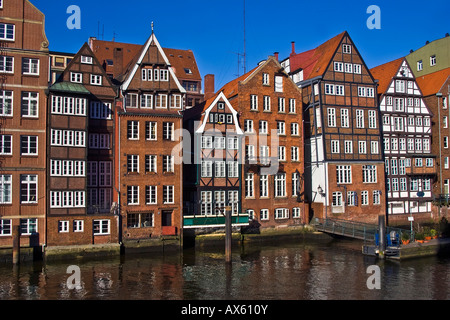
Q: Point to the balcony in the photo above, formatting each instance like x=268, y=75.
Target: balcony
x=214, y=221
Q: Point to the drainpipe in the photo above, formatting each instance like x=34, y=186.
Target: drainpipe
x=439, y=94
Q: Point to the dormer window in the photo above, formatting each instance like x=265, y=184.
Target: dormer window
x=86, y=59
x=433, y=60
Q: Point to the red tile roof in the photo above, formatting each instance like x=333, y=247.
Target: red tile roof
x=432, y=83
x=179, y=59
x=385, y=72
x=314, y=62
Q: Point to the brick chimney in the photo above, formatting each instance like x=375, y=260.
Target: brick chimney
x=118, y=61
x=293, y=48
x=209, y=86
x=276, y=55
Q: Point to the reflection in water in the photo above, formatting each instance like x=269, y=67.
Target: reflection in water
x=305, y=271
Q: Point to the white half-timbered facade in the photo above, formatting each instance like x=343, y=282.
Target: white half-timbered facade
x=406, y=129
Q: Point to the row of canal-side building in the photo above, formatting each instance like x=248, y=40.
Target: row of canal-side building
x=119, y=146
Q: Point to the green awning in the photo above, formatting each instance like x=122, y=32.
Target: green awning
x=69, y=87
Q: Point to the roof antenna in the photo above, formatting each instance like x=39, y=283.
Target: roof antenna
x=245, y=54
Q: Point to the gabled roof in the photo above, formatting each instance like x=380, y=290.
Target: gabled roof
x=208, y=105
x=385, y=72
x=178, y=58
x=432, y=83
x=315, y=62
x=231, y=88
x=181, y=60
x=75, y=59
x=134, y=65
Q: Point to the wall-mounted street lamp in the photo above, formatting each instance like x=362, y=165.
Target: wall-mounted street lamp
x=320, y=191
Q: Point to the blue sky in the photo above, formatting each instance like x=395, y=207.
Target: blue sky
x=213, y=29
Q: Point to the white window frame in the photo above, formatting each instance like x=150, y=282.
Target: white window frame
x=168, y=131
x=369, y=173
x=6, y=142
x=5, y=189
x=253, y=102
x=280, y=185
x=27, y=181
x=264, y=186
x=344, y=174
x=168, y=194
x=6, y=64
x=63, y=226
x=132, y=195
x=29, y=150
x=30, y=100
x=249, y=185
x=76, y=77
x=96, y=80
x=278, y=84
x=338, y=66
x=5, y=227
x=101, y=227
x=133, y=130
x=6, y=98
x=281, y=213
x=360, y=119
x=432, y=60
x=5, y=32
x=346, y=48
x=331, y=116
x=264, y=214
x=30, y=66
x=86, y=59
x=151, y=194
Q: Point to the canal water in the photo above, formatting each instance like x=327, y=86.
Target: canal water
x=326, y=270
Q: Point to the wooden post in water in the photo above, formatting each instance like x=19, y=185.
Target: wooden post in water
x=16, y=245
x=228, y=234
x=382, y=236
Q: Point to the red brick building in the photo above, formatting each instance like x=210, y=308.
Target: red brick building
x=270, y=175
x=24, y=75
x=82, y=202
x=436, y=93
x=149, y=171
x=344, y=165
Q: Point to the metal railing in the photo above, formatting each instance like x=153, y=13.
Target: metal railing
x=357, y=230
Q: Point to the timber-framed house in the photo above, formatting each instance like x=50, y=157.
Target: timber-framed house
x=82, y=203
x=213, y=176
x=344, y=165
x=406, y=127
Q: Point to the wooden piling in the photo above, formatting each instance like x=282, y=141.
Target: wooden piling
x=16, y=245
x=382, y=236
x=228, y=234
